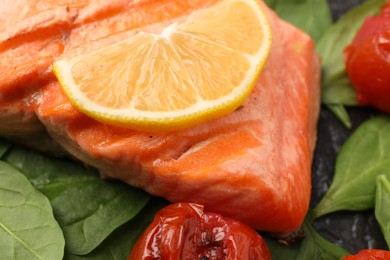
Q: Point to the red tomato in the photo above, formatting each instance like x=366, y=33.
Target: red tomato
x=368, y=61
x=369, y=254
x=183, y=231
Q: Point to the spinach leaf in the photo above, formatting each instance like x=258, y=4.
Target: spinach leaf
x=341, y=113
x=28, y=229
x=312, y=247
x=119, y=244
x=364, y=156
x=281, y=251
x=315, y=247
x=336, y=87
x=382, y=206
x=87, y=208
x=312, y=16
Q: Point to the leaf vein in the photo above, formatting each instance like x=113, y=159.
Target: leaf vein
x=20, y=241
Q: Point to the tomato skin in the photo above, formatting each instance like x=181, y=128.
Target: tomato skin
x=368, y=61
x=369, y=254
x=182, y=231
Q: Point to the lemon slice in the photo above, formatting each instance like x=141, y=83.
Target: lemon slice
x=193, y=71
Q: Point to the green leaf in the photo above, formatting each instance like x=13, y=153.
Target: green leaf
x=336, y=88
x=315, y=247
x=341, y=113
x=119, y=244
x=316, y=19
x=340, y=92
x=312, y=247
x=382, y=206
x=28, y=229
x=87, y=208
x=364, y=156
x=281, y=251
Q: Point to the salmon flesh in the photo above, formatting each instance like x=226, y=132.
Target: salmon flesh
x=253, y=165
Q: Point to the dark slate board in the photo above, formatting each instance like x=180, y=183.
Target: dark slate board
x=351, y=230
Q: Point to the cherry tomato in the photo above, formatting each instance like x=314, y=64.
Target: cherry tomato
x=183, y=231
x=368, y=61
x=369, y=254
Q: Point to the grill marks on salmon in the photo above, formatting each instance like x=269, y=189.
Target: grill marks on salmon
x=253, y=165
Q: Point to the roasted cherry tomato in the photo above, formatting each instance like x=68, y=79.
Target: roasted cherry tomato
x=183, y=231
x=369, y=254
x=368, y=61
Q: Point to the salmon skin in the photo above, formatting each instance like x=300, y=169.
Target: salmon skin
x=253, y=165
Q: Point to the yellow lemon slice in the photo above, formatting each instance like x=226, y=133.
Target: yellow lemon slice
x=193, y=71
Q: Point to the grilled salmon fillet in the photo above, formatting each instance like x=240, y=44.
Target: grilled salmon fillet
x=253, y=165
